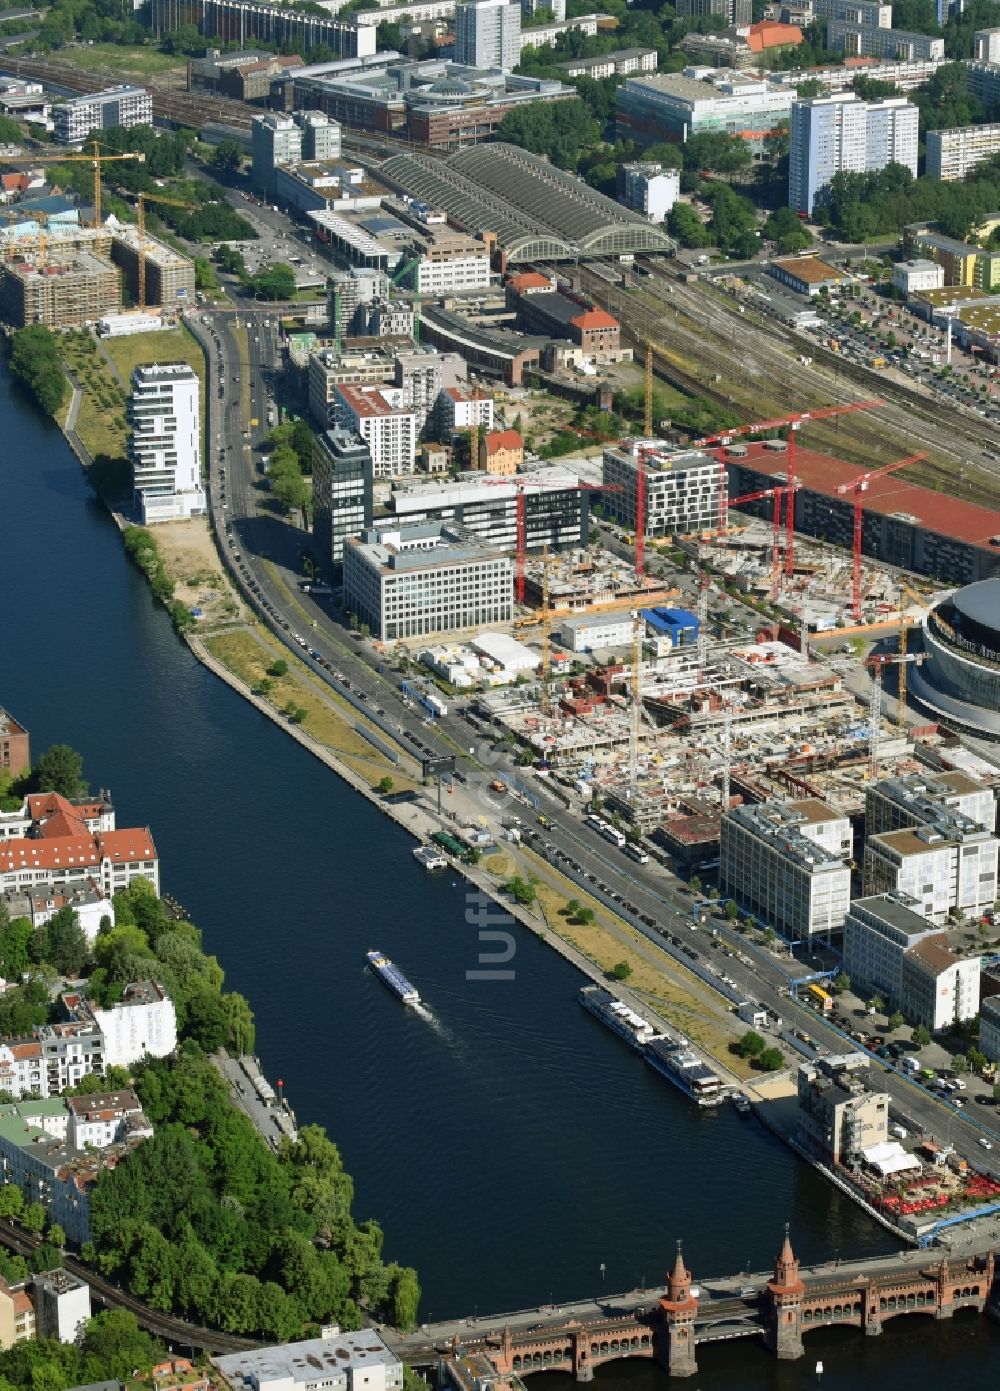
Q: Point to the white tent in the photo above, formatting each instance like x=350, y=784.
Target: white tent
x=890, y=1158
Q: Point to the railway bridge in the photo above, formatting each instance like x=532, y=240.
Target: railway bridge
x=781, y=1308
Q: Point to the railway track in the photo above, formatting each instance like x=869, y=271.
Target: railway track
x=176, y=1331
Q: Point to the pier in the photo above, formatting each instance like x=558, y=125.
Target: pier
x=669, y=1324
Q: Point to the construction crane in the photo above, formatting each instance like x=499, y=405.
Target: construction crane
x=793, y=423
x=546, y=697
x=727, y=756
x=876, y=663
x=636, y=711
x=859, y=486
x=647, y=415
x=704, y=585
x=95, y=158
x=141, y=202
x=13, y=243
x=777, y=493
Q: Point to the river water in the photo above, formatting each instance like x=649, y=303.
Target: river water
x=508, y=1144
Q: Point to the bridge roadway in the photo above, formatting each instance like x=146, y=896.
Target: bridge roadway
x=728, y=1307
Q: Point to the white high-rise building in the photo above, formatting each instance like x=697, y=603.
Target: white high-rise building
x=380, y=415
x=74, y=119
x=165, y=444
x=488, y=34
x=837, y=133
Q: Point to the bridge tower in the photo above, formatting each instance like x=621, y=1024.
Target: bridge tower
x=785, y=1291
x=677, y=1347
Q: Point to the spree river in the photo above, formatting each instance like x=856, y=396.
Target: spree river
x=513, y=1150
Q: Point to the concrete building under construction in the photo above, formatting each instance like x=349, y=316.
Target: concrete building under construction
x=169, y=275
x=77, y=289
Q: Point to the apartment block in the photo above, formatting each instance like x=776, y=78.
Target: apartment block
x=17, y=1315
x=169, y=275
x=682, y=489
x=866, y=12
x=74, y=119
x=488, y=33
x=918, y=799
x=891, y=950
x=501, y=452
x=463, y=408
x=837, y=133
x=15, y=745
x=342, y=491
x=618, y=63
x=112, y=858
x=734, y=13
x=165, y=441
x=954, y=153
x=41, y=902
x=650, y=189
x=143, y=1023
x=289, y=27
x=61, y=293
x=380, y=416
x=105, y=1118
x=840, y=1111
x=788, y=863
x=986, y=46
x=948, y=866
x=62, y=1305
x=407, y=582
x=872, y=41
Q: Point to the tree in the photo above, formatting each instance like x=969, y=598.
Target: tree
x=558, y=130
x=273, y=282
x=279, y=667
x=291, y=491
x=977, y=1060
x=67, y=942
x=56, y=1236
x=60, y=769
x=895, y=1021
x=695, y=883
x=385, y=785
x=521, y=891
x=405, y=1296
x=751, y=1044
x=585, y=917
x=921, y=1036
x=121, y=1348
x=227, y=155
x=36, y=364
x=731, y=909
x=960, y=1063
x=841, y=983
x=621, y=970
x=572, y=908
x=996, y=1092
x=11, y=1201
x=33, y=1218
x=876, y=1004
x=685, y=224
x=771, y=1060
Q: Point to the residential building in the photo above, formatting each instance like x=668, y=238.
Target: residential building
x=619, y=62
x=872, y=41
x=384, y=319
x=912, y=276
x=837, y=133
x=918, y=799
x=650, y=189
x=501, y=452
x=342, y=491
x=49, y=1171
x=891, y=950
x=380, y=416
x=734, y=13
x=989, y=1027
x=350, y=289
x=958, y=258
x=284, y=26
x=595, y=632
x=75, y=118
x=488, y=34
x=165, y=441
x=169, y=275
x=538, y=35
x=948, y=865
x=180, y=1374
x=422, y=374
x=346, y=1362
x=412, y=581
x=321, y=135
x=682, y=487
x=463, y=408
x=71, y=288
x=15, y=745
x=143, y=1024
x=954, y=153
x=673, y=106
x=101, y=1119
x=555, y=507
x=17, y=1315
x=788, y=863
x=39, y=903
x=329, y=369
x=866, y=12
x=62, y=1305
x=112, y=858
x=557, y=9
x=840, y=1111
x=449, y=261
x=986, y=46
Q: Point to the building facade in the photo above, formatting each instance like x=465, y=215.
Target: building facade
x=73, y=120
x=342, y=491
x=555, y=507
x=245, y=22
x=15, y=747
x=872, y=41
x=910, y=277
x=986, y=46
x=734, y=13
x=673, y=106
x=651, y=189
x=989, y=1027
x=840, y=1112
x=488, y=34
x=165, y=440
x=501, y=453
x=837, y=133
x=954, y=153
x=62, y=1305
x=682, y=489
x=379, y=415
x=918, y=799
x=409, y=582
x=948, y=866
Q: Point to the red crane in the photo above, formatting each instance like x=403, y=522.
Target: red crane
x=777, y=493
x=859, y=486
x=792, y=423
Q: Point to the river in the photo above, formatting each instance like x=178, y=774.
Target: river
x=511, y=1148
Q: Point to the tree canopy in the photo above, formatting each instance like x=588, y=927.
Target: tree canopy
x=36, y=364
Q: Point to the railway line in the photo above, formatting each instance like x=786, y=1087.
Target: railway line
x=177, y=1332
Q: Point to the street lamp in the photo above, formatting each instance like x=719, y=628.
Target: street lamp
x=603, y=1269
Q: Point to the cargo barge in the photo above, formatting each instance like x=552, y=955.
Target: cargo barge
x=393, y=977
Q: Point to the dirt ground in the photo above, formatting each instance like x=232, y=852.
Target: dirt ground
x=192, y=563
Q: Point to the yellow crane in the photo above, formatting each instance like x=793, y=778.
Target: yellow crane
x=95, y=158
x=143, y=199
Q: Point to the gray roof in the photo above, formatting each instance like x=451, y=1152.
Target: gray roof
x=980, y=603
x=300, y=1363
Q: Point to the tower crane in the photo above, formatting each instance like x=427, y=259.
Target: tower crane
x=546, y=696
x=876, y=663
x=859, y=486
x=777, y=493
x=793, y=423
x=95, y=158
x=636, y=710
x=141, y=202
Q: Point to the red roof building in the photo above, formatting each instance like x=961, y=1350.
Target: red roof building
x=770, y=34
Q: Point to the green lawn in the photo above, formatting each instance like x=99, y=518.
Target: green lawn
x=142, y=62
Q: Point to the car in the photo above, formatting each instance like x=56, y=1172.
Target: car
x=986, y=1144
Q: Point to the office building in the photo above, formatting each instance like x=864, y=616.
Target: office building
x=449, y=261
x=650, y=189
x=833, y=134
x=555, y=507
x=488, y=34
x=734, y=13
x=910, y=277
x=346, y=1362
x=986, y=46
x=872, y=41
x=673, y=106
x=342, y=491
x=380, y=416
x=682, y=488
x=892, y=951
x=242, y=76
x=75, y=118
x=596, y=632
x=62, y=1305
x=840, y=1111
x=165, y=441
x=918, y=799
x=412, y=581
x=954, y=153
x=948, y=865
x=275, y=141
x=15, y=745
x=787, y=862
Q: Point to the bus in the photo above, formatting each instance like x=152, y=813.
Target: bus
x=820, y=998
x=615, y=836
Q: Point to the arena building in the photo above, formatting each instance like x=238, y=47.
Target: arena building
x=960, y=677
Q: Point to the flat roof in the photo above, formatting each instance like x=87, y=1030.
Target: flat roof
x=893, y=911
x=305, y=1362
x=809, y=269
